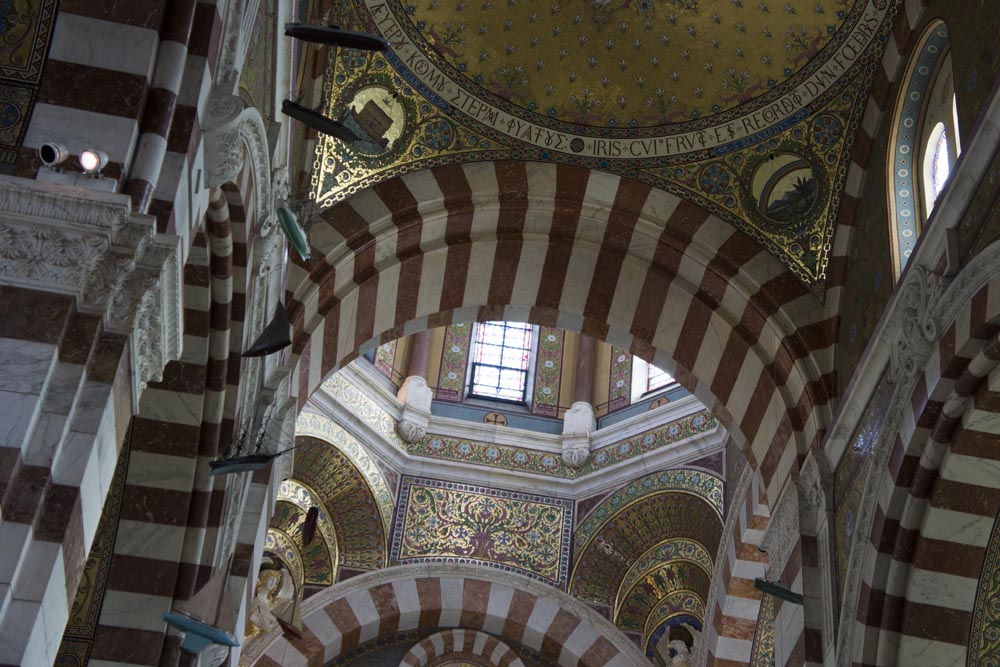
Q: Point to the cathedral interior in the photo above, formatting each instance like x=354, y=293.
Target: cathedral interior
x=512, y=333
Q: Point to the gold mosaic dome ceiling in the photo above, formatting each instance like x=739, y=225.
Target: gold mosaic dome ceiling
x=624, y=63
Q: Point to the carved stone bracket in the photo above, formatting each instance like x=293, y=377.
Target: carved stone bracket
x=579, y=423
x=416, y=415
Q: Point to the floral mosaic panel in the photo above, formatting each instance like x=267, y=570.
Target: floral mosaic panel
x=257, y=75
x=457, y=523
x=509, y=457
x=984, y=636
x=385, y=357
x=454, y=361
x=548, y=372
x=621, y=379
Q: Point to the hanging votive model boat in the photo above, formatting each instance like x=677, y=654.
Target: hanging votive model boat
x=208, y=617
x=275, y=336
x=251, y=461
x=336, y=36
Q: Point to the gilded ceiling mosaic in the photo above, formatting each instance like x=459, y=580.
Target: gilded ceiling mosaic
x=745, y=108
x=319, y=557
x=668, y=550
x=601, y=561
x=25, y=33
x=984, y=635
x=456, y=523
x=679, y=606
x=354, y=505
x=642, y=598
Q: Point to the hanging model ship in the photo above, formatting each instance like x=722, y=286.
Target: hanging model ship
x=207, y=618
x=246, y=453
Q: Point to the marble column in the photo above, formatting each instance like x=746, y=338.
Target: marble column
x=420, y=352
x=583, y=384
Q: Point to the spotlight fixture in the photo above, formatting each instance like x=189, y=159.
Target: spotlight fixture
x=92, y=161
x=335, y=36
x=317, y=121
x=52, y=154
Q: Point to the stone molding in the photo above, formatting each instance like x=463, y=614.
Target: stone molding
x=90, y=245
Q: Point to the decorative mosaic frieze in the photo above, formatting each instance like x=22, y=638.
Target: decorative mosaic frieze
x=457, y=523
x=454, y=361
x=548, y=372
x=984, y=636
x=510, y=457
x=762, y=654
x=363, y=407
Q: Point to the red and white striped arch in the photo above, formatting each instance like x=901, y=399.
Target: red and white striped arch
x=429, y=597
x=462, y=642
x=586, y=251
x=936, y=498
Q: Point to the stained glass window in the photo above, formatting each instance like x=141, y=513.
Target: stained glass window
x=940, y=168
x=647, y=378
x=500, y=360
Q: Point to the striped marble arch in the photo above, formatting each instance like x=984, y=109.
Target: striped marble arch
x=585, y=251
x=431, y=597
x=468, y=642
x=936, y=496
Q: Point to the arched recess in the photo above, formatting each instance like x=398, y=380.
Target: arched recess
x=924, y=109
x=585, y=251
x=646, y=546
x=929, y=508
x=350, y=490
x=433, y=597
x=469, y=642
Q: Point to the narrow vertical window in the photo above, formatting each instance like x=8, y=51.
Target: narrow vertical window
x=940, y=168
x=500, y=361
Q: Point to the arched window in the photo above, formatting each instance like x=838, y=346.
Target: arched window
x=501, y=360
x=924, y=144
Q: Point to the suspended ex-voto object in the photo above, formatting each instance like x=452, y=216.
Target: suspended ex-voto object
x=276, y=335
x=332, y=35
x=293, y=231
x=317, y=121
x=245, y=453
x=207, y=618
